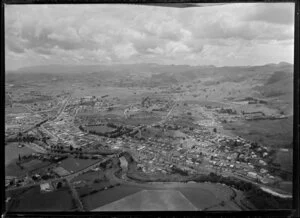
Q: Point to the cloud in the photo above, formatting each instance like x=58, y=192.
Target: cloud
x=125, y=51
x=275, y=13
x=129, y=33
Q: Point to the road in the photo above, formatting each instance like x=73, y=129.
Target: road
x=47, y=131
x=32, y=127
x=75, y=196
x=63, y=107
x=227, y=103
x=266, y=188
x=36, y=147
x=77, y=109
x=61, y=110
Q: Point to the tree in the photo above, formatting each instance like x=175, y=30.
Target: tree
x=59, y=185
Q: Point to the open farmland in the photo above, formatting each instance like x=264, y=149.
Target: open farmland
x=58, y=200
x=89, y=176
x=198, y=196
x=99, y=129
x=16, y=109
x=13, y=169
x=285, y=159
x=12, y=152
x=273, y=133
x=107, y=196
x=147, y=200
x=75, y=164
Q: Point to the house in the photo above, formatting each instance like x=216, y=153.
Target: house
x=266, y=180
x=252, y=175
x=263, y=171
x=262, y=162
x=46, y=187
x=9, y=179
x=265, y=154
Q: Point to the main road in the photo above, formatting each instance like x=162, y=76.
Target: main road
x=53, y=118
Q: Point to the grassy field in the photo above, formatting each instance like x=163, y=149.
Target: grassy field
x=151, y=200
x=285, y=159
x=205, y=103
x=12, y=152
x=206, y=195
x=273, y=133
x=201, y=195
x=89, y=176
x=100, y=129
x=107, y=196
x=73, y=164
x=13, y=169
x=16, y=109
x=33, y=200
x=286, y=186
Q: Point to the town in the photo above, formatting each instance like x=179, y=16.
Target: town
x=150, y=107
x=161, y=135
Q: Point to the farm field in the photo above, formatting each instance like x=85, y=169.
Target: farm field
x=75, y=164
x=99, y=129
x=32, y=199
x=273, y=133
x=12, y=152
x=93, y=187
x=151, y=200
x=285, y=159
x=286, y=186
x=13, y=169
x=89, y=176
x=107, y=196
x=16, y=109
x=200, y=195
x=201, y=198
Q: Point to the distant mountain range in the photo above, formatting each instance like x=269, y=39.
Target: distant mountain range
x=131, y=67
x=266, y=81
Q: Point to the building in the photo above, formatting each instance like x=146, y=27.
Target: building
x=124, y=163
x=262, y=162
x=46, y=187
x=252, y=175
x=263, y=171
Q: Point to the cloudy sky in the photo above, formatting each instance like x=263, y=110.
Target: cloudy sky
x=231, y=34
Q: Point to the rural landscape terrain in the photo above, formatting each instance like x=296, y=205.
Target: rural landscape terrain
x=149, y=137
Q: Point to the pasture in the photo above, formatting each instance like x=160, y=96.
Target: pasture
x=12, y=152
x=75, y=164
x=32, y=199
x=151, y=200
x=273, y=133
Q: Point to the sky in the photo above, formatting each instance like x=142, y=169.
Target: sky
x=222, y=35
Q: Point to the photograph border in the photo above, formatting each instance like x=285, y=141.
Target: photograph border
x=164, y=3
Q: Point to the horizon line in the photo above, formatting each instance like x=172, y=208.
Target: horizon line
x=149, y=63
